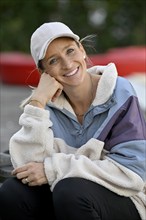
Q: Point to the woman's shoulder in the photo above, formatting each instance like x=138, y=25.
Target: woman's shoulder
x=124, y=84
x=124, y=90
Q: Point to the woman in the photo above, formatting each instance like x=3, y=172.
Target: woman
x=80, y=153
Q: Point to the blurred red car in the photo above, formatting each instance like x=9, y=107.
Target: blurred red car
x=128, y=60
x=18, y=69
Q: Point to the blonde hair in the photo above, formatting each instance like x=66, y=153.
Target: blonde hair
x=26, y=101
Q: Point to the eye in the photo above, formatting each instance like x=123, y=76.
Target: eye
x=52, y=61
x=70, y=50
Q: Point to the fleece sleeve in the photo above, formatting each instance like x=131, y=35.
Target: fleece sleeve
x=30, y=143
x=104, y=171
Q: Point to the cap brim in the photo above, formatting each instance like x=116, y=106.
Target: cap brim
x=47, y=43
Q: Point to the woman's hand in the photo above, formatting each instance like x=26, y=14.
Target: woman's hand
x=48, y=89
x=31, y=173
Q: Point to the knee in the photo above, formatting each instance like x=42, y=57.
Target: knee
x=70, y=195
x=62, y=193
x=68, y=192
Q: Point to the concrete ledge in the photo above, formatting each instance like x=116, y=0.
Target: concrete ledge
x=5, y=159
x=5, y=172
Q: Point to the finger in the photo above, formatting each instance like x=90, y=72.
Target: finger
x=22, y=175
x=18, y=170
x=33, y=183
x=38, y=182
x=56, y=95
x=25, y=180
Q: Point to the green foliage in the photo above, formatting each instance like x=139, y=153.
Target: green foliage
x=115, y=22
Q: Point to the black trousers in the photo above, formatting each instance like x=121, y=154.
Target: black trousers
x=72, y=199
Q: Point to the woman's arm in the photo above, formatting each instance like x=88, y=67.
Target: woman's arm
x=34, y=141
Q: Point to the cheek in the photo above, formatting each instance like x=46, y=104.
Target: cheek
x=84, y=62
x=80, y=57
x=53, y=71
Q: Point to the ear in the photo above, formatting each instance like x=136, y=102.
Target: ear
x=82, y=50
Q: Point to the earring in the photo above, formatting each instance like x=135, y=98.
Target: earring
x=84, y=57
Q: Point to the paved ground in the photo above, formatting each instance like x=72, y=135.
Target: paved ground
x=10, y=99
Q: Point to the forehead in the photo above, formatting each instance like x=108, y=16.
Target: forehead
x=60, y=43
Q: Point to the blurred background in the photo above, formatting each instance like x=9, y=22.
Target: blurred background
x=115, y=22
x=120, y=29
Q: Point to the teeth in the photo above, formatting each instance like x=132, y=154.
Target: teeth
x=71, y=73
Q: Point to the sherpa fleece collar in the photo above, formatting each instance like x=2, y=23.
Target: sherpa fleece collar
x=105, y=87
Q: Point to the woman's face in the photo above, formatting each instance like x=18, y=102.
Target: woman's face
x=65, y=61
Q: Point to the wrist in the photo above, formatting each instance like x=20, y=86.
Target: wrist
x=37, y=103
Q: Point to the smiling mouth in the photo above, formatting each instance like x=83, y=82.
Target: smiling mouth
x=72, y=72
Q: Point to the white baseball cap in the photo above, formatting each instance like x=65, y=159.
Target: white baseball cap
x=44, y=35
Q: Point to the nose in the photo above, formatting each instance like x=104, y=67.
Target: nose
x=66, y=63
